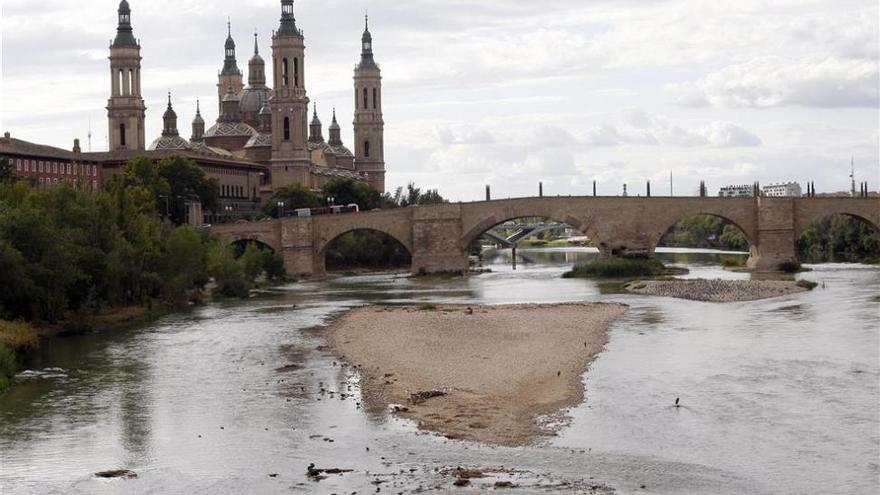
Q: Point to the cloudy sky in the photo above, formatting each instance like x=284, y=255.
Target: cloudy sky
x=503, y=92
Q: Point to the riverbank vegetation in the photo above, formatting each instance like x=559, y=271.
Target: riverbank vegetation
x=839, y=238
x=17, y=339
x=622, y=267
x=705, y=232
x=66, y=251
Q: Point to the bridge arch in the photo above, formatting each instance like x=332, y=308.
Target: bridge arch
x=241, y=244
x=521, y=209
x=750, y=238
x=321, y=254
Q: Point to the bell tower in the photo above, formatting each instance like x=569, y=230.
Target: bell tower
x=291, y=161
x=369, y=127
x=125, y=109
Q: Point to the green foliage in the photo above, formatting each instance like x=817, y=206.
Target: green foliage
x=619, y=268
x=366, y=249
x=8, y=367
x=164, y=187
x=7, y=171
x=839, y=238
x=67, y=250
x=294, y=197
x=228, y=273
x=17, y=338
x=347, y=191
x=705, y=232
x=414, y=196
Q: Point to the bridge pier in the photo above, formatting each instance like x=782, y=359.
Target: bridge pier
x=437, y=236
x=776, y=238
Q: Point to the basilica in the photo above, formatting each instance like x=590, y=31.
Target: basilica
x=259, y=125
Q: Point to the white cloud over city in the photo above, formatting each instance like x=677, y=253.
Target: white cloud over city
x=504, y=92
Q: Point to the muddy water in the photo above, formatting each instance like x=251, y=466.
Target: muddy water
x=779, y=396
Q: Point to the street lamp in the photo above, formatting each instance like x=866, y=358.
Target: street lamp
x=280, y=209
x=330, y=200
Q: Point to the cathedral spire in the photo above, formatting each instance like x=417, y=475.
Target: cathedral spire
x=367, y=46
x=288, y=21
x=198, y=124
x=230, y=64
x=124, y=32
x=170, y=120
x=256, y=44
x=335, y=132
x=316, y=134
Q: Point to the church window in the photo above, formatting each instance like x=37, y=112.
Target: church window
x=287, y=128
x=131, y=82
x=296, y=72
x=284, y=72
x=366, y=149
x=366, y=104
x=122, y=134
x=375, y=98
x=120, y=86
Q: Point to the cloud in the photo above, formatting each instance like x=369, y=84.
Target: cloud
x=774, y=82
x=635, y=126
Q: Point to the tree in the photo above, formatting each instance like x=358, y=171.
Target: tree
x=414, y=196
x=347, y=191
x=187, y=181
x=7, y=171
x=294, y=196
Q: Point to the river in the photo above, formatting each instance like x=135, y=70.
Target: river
x=779, y=396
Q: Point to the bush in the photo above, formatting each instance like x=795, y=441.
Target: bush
x=620, y=268
x=8, y=367
x=18, y=336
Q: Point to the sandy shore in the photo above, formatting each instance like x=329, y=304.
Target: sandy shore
x=716, y=290
x=499, y=368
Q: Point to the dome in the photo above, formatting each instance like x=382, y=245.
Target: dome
x=252, y=99
x=231, y=96
x=260, y=141
x=169, y=143
x=226, y=129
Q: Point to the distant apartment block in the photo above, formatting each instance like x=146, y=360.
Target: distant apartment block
x=786, y=190
x=744, y=191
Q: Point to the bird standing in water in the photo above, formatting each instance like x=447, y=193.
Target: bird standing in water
x=677, y=405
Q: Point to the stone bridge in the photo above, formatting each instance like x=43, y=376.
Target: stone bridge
x=438, y=236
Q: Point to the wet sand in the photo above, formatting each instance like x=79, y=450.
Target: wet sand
x=716, y=290
x=506, y=373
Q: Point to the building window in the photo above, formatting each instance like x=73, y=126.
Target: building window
x=366, y=149
x=296, y=72
x=287, y=128
x=366, y=104
x=120, y=87
x=18, y=164
x=69, y=170
x=284, y=72
x=122, y=134
x=375, y=99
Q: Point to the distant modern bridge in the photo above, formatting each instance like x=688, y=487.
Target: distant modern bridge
x=438, y=236
x=521, y=231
